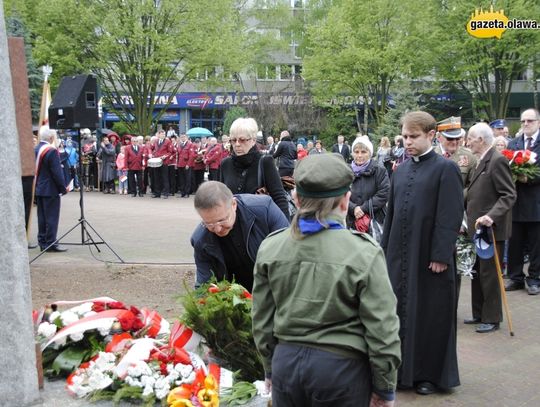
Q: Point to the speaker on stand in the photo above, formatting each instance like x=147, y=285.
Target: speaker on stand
x=75, y=106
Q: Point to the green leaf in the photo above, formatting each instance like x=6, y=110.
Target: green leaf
x=69, y=359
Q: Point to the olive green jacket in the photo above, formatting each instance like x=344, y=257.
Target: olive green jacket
x=331, y=291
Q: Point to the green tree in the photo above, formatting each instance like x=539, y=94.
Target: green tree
x=137, y=48
x=360, y=49
x=16, y=28
x=485, y=67
x=231, y=115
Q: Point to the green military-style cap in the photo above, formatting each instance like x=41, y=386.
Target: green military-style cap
x=323, y=176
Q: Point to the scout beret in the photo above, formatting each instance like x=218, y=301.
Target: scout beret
x=323, y=176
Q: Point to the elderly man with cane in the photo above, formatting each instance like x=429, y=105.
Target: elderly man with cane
x=489, y=201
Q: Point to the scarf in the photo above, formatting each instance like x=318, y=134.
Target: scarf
x=359, y=169
x=311, y=226
x=245, y=161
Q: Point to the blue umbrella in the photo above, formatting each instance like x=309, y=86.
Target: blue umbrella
x=199, y=132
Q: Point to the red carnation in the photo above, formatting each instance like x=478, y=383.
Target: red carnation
x=137, y=324
x=116, y=305
x=163, y=369
x=98, y=306
x=126, y=321
x=509, y=154
x=519, y=160
x=135, y=310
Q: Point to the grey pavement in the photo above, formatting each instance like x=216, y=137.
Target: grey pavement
x=496, y=369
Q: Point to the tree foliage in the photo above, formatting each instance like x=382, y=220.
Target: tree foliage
x=486, y=68
x=361, y=48
x=137, y=48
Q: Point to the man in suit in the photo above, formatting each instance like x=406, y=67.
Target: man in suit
x=50, y=184
x=341, y=148
x=489, y=201
x=134, y=164
x=526, y=213
x=271, y=146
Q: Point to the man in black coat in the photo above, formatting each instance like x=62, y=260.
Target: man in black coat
x=490, y=197
x=425, y=210
x=232, y=229
x=526, y=213
x=286, y=152
x=341, y=148
x=50, y=185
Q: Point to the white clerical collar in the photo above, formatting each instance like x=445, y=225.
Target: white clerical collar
x=417, y=158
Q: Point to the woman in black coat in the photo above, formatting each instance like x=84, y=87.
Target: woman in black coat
x=370, y=182
x=286, y=154
x=246, y=170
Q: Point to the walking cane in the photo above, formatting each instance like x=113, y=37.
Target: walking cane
x=501, y=284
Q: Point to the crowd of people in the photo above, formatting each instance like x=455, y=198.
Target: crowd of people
x=331, y=305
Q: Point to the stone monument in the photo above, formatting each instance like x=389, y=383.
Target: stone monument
x=18, y=375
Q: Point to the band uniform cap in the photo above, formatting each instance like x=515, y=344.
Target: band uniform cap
x=482, y=242
x=498, y=124
x=450, y=127
x=323, y=176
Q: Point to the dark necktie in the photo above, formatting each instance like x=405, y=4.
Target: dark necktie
x=528, y=143
x=447, y=154
x=160, y=141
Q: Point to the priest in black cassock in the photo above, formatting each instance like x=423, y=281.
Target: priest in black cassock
x=425, y=210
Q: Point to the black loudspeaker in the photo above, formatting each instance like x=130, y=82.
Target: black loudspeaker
x=75, y=103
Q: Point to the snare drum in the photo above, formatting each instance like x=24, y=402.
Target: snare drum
x=155, y=162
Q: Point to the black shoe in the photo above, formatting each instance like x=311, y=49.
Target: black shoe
x=426, y=388
x=533, y=289
x=134, y=195
x=58, y=249
x=472, y=321
x=156, y=196
x=514, y=286
x=32, y=246
x=485, y=328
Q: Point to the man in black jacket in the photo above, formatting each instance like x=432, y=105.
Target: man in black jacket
x=286, y=152
x=526, y=212
x=232, y=228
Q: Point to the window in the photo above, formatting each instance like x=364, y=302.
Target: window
x=286, y=72
x=266, y=72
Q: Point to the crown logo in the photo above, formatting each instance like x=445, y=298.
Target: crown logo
x=487, y=24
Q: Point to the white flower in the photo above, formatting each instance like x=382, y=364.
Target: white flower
x=60, y=342
x=148, y=381
x=68, y=317
x=133, y=382
x=147, y=391
x=77, y=336
x=46, y=329
x=53, y=316
x=105, y=361
x=82, y=308
x=162, y=388
x=190, y=379
x=184, y=370
x=99, y=380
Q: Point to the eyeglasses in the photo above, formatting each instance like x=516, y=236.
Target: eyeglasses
x=529, y=120
x=221, y=223
x=240, y=140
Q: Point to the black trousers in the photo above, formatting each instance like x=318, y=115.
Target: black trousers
x=303, y=376
x=486, y=291
x=172, y=179
x=48, y=211
x=196, y=180
x=286, y=172
x=524, y=234
x=161, y=176
x=184, y=181
x=135, y=181
x=213, y=175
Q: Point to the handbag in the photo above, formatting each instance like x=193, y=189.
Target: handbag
x=375, y=228
x=286, y=181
